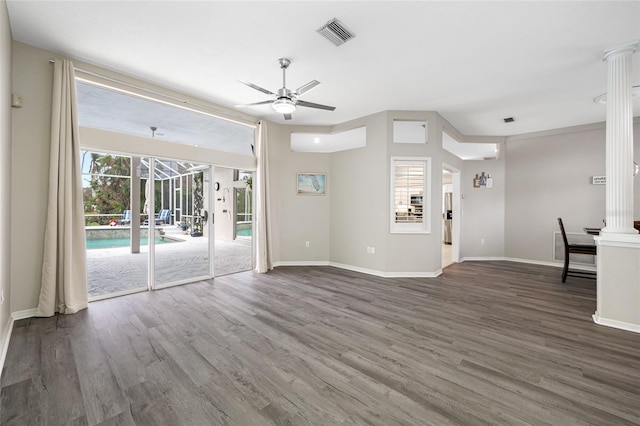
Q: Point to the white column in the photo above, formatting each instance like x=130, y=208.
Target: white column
x=619, y=142
x=618, y=260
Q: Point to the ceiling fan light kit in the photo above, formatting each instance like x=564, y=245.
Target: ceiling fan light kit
x=284, y=106
x=285, y=101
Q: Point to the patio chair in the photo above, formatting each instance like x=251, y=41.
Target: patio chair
x=126, y=217
x=163, y=217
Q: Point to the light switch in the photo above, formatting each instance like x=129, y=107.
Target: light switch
x=16, y=101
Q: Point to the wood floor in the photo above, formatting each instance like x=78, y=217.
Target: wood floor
x=486, y=343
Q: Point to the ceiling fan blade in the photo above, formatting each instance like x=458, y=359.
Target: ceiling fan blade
x=287, y=116
x=255, y=103
x=253, y=86
x=310, y=85
x=312, y=105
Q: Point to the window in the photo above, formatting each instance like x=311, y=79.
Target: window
x=410, y=195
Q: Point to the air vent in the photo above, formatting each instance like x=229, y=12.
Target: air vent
x=509, y=120
x=335, y=32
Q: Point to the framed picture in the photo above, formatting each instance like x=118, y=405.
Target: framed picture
x=312, y=183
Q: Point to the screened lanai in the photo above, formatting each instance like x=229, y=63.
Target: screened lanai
x=148, y=230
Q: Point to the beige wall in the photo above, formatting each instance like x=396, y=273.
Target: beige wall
x=548, y=175
x=297, y=218
x=359, y=200
x=516, y=218
x=5, y=169
x=483, y=210
x=32, y=79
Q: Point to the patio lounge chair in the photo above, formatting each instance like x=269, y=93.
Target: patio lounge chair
x=163, y=218
x=126, y=217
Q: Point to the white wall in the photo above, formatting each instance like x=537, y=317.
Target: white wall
x=548, y=175
x=5, y=170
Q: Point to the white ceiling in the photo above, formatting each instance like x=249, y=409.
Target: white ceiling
x=474, y=62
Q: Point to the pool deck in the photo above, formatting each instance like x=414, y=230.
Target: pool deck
x=112, y=270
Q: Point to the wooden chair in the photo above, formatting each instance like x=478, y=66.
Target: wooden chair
x=577, y=249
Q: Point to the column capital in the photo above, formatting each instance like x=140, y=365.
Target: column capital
x=621, y=49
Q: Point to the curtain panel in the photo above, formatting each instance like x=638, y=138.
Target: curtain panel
x=64, y=268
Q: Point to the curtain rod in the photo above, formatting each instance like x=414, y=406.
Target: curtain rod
x=218, y=114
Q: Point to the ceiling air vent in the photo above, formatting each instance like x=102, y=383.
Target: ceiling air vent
x=335, y=32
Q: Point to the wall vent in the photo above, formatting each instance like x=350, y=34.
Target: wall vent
x=335, y=32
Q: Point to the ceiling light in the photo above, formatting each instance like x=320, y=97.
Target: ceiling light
x=602, y=99
x=316, y=140
x=284, y=106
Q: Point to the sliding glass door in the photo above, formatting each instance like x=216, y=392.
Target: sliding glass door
x=117, y=246
x=182, y=248
x=233, y=221
x=147, y=222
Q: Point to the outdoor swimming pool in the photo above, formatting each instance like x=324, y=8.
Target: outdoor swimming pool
x=101, y=243
x=244, y=232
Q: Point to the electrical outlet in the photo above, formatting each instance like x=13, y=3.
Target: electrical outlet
x=373, y=250
x=481, y=240
x=306, y=243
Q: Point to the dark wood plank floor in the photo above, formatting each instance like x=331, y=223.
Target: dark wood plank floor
x=486, y=343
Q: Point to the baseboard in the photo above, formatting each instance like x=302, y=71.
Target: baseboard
x=627, y=326
x=531, y=262
x=6, y=337
x=27, y=313
x=367, y=271
x=301, y=263
x=482, y=259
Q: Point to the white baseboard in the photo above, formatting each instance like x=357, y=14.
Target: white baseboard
x=359, y=269
x=27, y=313
x=6, y=337
x=531, y=262
x=622, y=325
x=482, y=258
x=301, y=263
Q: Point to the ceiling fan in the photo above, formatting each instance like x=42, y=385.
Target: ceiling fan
x=285, y=101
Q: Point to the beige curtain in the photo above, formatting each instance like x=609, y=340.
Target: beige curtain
x=263, y=219
x=64, y=268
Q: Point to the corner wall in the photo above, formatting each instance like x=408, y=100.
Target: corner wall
x=5, y=176
x=33, y=80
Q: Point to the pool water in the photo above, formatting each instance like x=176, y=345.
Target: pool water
x=244, y=232
x=124, y=242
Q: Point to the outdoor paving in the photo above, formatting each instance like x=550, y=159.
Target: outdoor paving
x=113, y=270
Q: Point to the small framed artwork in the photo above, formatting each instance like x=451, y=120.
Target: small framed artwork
x=312, y=183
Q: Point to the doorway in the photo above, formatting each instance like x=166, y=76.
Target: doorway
x=451, y=214
x=146, y=222
x=233, y=221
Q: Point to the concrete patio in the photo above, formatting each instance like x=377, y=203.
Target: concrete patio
x=112, y=270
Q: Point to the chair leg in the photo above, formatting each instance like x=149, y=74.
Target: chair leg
x=565, y=269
